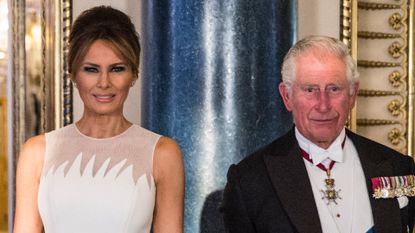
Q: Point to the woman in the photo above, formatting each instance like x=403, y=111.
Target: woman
x=101, y=174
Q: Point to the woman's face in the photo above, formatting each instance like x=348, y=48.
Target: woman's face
x=103, y=80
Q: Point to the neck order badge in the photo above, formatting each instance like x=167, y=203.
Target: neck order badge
x=330, y=194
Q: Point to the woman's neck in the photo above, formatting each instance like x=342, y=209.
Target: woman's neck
x=102, y=126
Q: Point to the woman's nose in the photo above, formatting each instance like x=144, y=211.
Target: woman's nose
x=103, y=81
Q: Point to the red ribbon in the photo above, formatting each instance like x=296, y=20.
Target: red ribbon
x=320, y=165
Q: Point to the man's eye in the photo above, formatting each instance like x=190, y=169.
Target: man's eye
x=310, y=89
x=90, y=69
x=333, y=89
x=117, y=68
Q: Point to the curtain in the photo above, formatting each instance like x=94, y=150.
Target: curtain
x=210, y=76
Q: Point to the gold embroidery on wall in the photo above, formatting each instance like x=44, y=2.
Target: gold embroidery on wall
x=383, y=48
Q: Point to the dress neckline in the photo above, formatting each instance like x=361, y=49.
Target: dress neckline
x=103, y=139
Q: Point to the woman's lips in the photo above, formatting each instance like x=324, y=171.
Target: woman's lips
x=104, y=98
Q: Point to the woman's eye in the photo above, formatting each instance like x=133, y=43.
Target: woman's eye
x=90, y=69
x=117, y=68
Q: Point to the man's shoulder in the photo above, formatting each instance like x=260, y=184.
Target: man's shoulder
x=360, y=141
x=254, y=162
x=376, y=148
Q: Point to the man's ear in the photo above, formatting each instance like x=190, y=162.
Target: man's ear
x=354, y=94
x=285, y=96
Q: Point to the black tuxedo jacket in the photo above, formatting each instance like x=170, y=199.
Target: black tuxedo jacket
x=269, y=191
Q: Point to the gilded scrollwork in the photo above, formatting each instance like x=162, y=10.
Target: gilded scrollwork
x=396, y=50
x=395, y=21
x=347, y=23
x=396, y=79
x=395, y=107
x=396, y=34
x=396, y=136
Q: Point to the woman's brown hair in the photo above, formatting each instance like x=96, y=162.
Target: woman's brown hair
x=103, y=23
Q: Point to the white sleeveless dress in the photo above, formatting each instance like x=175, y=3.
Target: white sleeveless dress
x=91, y=185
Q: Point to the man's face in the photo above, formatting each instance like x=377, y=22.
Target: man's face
x=320, y=100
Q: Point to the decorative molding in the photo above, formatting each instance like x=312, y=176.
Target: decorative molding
x=396, y=21
x=347, y=22
x=410, y=83
x=396, y=107
x=55, y=21
x=396, y=50
x=376, y=122
x=396, y=79
x=377, y=64
x=396, y=136
x=400, y=18
x=67, y=86
x=348, y=30
x=377, y=6
x=377, y=93
x=57, y=81
x=19, y=96
x=377, y=35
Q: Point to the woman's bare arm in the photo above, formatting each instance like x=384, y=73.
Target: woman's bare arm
x=169, y=179
x=29, y=168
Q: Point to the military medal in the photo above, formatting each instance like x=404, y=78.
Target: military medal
x=393, y=186
x=330, y=194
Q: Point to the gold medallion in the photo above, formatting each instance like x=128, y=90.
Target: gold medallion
x=330, y=194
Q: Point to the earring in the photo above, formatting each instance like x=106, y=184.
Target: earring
x=74, y=84
x=133, y=82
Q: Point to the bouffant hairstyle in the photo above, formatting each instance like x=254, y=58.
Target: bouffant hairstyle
x=108, y=24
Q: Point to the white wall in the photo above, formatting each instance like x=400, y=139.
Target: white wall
x=314, y=17
x=318, y=17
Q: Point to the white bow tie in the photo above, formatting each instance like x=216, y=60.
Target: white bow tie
x=318, y=155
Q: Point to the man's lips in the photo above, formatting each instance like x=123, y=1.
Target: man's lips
x=323, y=121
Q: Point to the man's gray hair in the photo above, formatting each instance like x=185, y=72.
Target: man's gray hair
x=323, y=44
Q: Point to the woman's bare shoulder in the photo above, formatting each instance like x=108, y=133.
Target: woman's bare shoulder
x=33, y=150
x=166, y=144
x=167, y=158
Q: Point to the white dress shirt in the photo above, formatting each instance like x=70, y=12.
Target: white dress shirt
x=352, y=213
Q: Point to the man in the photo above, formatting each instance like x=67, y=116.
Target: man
x=320, y=177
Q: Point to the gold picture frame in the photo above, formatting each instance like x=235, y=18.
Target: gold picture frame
x=55, y=85
x=3, y=165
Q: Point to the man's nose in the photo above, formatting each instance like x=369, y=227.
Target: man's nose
x=323, y=99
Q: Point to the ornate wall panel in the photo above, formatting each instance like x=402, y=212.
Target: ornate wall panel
x=3, y=164
x=380, y=35
x=41, y=90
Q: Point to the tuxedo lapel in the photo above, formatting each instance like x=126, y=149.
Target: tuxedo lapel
x=386, y=213
x=289, y=177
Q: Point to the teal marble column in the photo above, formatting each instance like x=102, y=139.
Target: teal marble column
x=210, y=74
